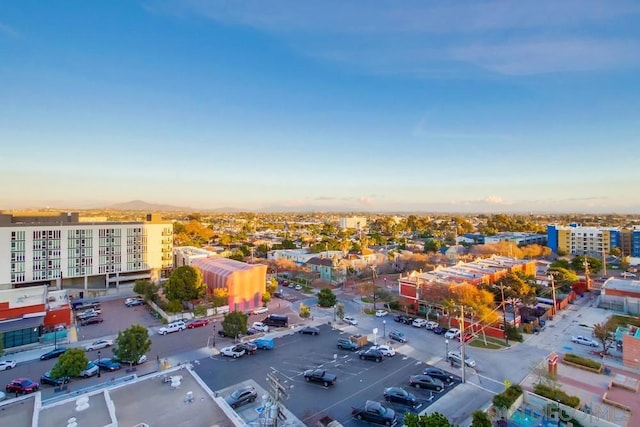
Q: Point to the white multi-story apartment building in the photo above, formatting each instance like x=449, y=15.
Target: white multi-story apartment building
x=354, y=222
x=63, y=252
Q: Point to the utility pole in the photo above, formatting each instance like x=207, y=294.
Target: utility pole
x=553, y=291
x=604, y=262
x=279, y=391
x=462, y=346
x=586, y=272
x=504, y=316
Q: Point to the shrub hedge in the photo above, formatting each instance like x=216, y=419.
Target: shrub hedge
x=507, y=397
x=556, y=395
x=584, y=361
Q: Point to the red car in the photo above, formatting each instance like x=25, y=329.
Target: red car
x=22, y=385
x=197, y=323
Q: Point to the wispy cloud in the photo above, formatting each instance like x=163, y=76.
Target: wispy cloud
x=432, y=38
x=7, y=30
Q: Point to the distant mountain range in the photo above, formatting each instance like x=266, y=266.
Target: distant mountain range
x=140, y=205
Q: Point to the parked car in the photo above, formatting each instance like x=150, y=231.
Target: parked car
x=131, y=302
x=400, y=395
x=585, y=341
x=91, y=320
x=22, y=386
x=439, y=374
x=452, y=333
x=396, y=335
x=456, y=357
x=107, y=364
x=260, y=327
x=172, y=327
x=248, y=347
x=309, y=330
x=234, y=351
x=419, y=323
x=401, y=318
x=298, y=287
x=92, y=312
x=438, y=330
x=375, y=412
x=91, y=370
x=198, y=323
x=242, y=396
x=261, y=310
x=425, y=381
x=53, y=353
x=140, y=360
x=96, y=345
x=350, y=320
x=381, y=313
x=371, y=354
x=431, y=324
x=347, y=344
x=265, y=343
x=320, y=376
x=46, y=378
x=5, y=365
x=386, y=350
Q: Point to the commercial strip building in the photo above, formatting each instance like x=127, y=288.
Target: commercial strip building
x=27, y=314
x=61, y=251
x=575, y=239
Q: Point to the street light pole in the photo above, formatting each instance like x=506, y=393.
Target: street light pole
x=384, y=328
x=446, y=348
x=553, y=291
x=98, y=362
x=504, y=316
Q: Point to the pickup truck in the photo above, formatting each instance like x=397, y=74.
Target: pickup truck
x=320, y=376
x=374, y=412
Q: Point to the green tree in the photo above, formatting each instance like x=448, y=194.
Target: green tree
x=132, y=343
x=220, y=297
x=272, y=285
x=185, y=284
x=432, y=245
x=70, y=363
x=578, y=263
x=326, y=298
x=141, y=286
x=480, y=419
x=237, y=255
x=563, y=278
x=234, y=324
x=433, y=420
x=305, y=312
x=604, y=333
x=340, y=310
x=174, y=306
x=266, y=297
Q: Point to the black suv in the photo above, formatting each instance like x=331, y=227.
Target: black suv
x=401, y=318
x=371, y=354
x=439, y=374
x=347, y=344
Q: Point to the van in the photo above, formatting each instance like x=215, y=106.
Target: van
x=278, y=320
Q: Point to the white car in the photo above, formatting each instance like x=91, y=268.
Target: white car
x=172, y=327
x=298, y=287
x=234, y=351
x=381, y=313
x=585, y=341
x=452, y=334
x=350, y=320
x=260, y=327
x=386, y=350
x=98, y=345
x=431, y=324
x=456, y=356
x=91, y=370
x=419, y=323
x=7, y=364
x=261, y=310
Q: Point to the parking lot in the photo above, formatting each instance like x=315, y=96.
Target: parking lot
x=117, y=317
x=358, y=380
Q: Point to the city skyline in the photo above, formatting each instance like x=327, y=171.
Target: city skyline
x=289, y=106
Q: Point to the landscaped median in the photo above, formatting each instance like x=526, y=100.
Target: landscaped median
x=582, y=363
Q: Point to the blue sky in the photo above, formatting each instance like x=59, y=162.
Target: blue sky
x=483, y=106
